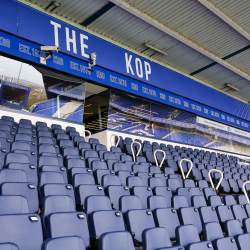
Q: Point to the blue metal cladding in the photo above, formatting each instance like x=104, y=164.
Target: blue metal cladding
x=42, y=29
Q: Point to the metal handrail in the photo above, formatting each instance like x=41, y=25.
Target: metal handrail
x=244, y=190
x=156, y=161
x=133, y=153
x=88, y=133
x=189, y=171
x=117, y=141
x=211, y=181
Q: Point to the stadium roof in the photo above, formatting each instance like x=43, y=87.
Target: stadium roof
x=207, y=40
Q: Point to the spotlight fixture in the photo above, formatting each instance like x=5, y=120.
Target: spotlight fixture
x=93, y=59
x=156, y=49
x=232, y=87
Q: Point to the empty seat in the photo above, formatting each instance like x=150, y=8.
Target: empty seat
x=179, y=201
x=214, y=200
x=232, y=228
x=50, y=177
x=139, y=220
x=239, y=212
x=213, y=232
x=165, y=192
x=13, y=175
x=208, y=191
x=198, y=201
x=157, y=238
x=83, y=191
x=99, y=173
x=173, y=184
x=187, y=235
x=190, y=215
x=96, y=203
x=13, y=204
x=224, y=213
x=134, y=181
x=63, y=243
x=188, y=183
x=110, y=179
x=24, y=230
x=116, y=240
x=143, y=193
x=167, y=218
x=229, y=200
x=83, y=179
x=26, y=189
x=208, y=214
x=156, y=201
x=57, y=189
x=61, y=224
x=155, y=182
x=115, y=193
x=101, y=222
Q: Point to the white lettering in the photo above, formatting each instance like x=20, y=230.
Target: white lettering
x=56, y=26
x=83, y=45
x=147, y=69
x=139, y=72
x=71, y=40
x=128, y=63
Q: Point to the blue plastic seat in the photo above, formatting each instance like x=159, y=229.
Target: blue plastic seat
x=48, y=148
x=145, y=177
x=239, y=212
x=83, y=179
x=83, y=191
x=13, y=204
x=232, y=228
x=31, y=155
x=198, y=201
x=57, y=169
x=139, y=220
x=76, y=163
x=101, y=222
x=165, y=192
x=47, y=177
x=208, y=214
x=214, y=200
x=98, y=165
x=48, y=160
x=57, y=189
x=179, y=201
x=157, y=238
x=96, y=203
x=27, y=189
x=30, y=170
x=188, y=183
x=229, y=200
x=63, y=243
x=186, y=235
x=46, y=140
x=156, y=201
x=212, y=231
x=12, y=175
x=24, y=230
x=190, y=215
x=134, y=181
x=208, y=191
x=242, y=200
x=129, y=202
x=61, y=224
x=173, y=184
x=143, y=193
x=78, y=139
x=53, y=204
x=116, y=240
x=99, y=173
x=115, y=193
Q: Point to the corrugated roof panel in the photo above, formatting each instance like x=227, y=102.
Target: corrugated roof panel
x=195, y=22
x=238, y=11
x=74, y=10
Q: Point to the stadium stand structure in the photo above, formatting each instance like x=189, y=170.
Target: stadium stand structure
x=77, y=194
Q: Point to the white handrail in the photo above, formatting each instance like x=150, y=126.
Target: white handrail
x=244, y=190
x=189, y=171
x=117, y=141
x=211, y=181
x=156, y=161
x=133, y=153
x=88, y=133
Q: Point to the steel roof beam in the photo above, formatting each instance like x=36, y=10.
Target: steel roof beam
x=142, y=15
x=225, y=18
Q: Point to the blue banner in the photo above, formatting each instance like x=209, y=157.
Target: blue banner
x=30, y=51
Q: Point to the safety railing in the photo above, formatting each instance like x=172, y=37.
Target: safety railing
x=132, y=149
x=89, y=136
x=211, y=180
x=189, y=171
x=156, y=161
x=244, y=190
x=114, y=135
